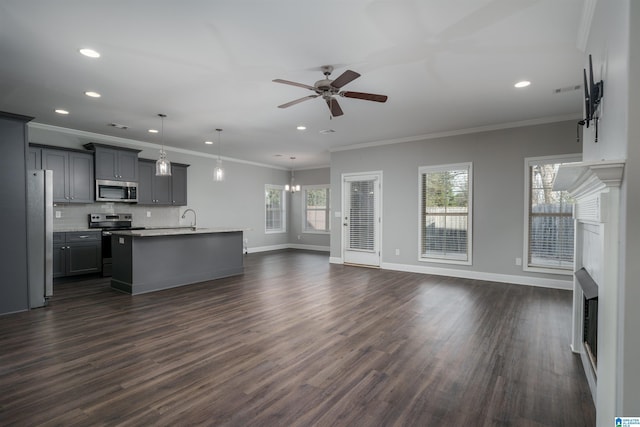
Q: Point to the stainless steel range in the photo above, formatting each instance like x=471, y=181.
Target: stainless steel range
x=108, y=223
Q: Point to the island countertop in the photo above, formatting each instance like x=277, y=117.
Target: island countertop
x=175, y=231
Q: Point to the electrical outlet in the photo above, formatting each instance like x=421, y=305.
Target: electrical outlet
x=148, y=214
x=518, y=261
x=397, y=252
x=298, y=237
x=58, y=214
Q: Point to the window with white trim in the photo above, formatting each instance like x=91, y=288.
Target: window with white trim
x=275, y=209
x=316, y=209
x=445, y=213
x=548, y=242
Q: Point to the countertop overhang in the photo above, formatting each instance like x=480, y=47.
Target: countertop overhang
x=177, y=231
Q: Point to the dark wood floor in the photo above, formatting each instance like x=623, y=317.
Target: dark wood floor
x=296, y=341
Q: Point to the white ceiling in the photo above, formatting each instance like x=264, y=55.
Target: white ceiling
x=446, y=65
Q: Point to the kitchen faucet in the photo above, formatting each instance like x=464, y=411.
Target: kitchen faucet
x=193, y=226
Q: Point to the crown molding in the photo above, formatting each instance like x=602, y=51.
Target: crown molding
x=133, y=143
x=479, y=129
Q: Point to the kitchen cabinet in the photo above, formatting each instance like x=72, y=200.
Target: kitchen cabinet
x=162, y=190
x=14, y=290
x=34, y=158
x=115, y=163
x=178, y=184
x=72, y=175
x=77, y=252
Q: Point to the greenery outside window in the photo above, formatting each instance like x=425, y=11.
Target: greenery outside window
x=445, y=213
x=316, y=200
x=275, y=209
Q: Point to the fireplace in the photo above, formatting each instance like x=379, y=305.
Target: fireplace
x=590, y=315
x=595, y=187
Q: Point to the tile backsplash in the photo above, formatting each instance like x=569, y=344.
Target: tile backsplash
x=77, y=216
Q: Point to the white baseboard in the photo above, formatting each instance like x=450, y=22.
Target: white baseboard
x=335, y=260
x=287, y=246
x=309, y=247
x=479, y=275
x=267, y=248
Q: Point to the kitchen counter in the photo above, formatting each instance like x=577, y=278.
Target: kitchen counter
x=154, y=259
x=173, y=231
x=74, y=229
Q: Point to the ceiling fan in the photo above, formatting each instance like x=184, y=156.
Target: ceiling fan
x=328, y=89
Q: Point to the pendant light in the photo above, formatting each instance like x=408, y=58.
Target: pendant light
x=292, y=187
x=218, y=172
x=163, y=165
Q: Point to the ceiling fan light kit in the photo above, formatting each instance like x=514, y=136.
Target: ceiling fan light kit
x=328, y=89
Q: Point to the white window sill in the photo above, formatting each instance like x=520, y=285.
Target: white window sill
x=445, y=261
x=548, y=270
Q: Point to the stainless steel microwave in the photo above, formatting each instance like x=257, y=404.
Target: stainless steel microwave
x=116, y=191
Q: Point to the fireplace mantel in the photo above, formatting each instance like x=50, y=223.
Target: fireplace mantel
x=585, y=178
x=595, y=187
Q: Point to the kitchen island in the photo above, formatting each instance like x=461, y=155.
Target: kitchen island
x=155, y=259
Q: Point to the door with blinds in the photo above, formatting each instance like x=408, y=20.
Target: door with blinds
x=361, y=219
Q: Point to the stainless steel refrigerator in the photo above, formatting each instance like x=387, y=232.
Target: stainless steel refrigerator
x=40, y=232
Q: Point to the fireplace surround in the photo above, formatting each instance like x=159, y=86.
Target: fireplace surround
x=595, y=187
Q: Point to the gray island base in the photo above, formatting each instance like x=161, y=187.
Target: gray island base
x=152, y=260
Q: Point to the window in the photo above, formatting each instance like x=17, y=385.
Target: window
x=316, y=209
x=548, y=217
x=445, y=213
x=275, y=213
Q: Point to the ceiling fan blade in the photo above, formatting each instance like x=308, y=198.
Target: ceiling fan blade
x=297, y=101
x=345, y=78
x=287, y=82
x=334, y=107
x=365, y=96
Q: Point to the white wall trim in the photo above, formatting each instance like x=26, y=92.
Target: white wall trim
x=257, y=249
x=134, y=143
x=287, y=246
x=522, y=123
x=335, y=260
x=309, y=247
x=480, y=275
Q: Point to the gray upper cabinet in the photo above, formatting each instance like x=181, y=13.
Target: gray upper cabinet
x=178, y=184
x=72, y=175
x=115, y=163
x=34, y=158
x=162, y=190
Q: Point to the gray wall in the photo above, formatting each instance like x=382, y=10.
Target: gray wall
x=498, y=190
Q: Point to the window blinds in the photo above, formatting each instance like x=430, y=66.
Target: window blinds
x=444, y=218
x=362, y=215
x=550, y=220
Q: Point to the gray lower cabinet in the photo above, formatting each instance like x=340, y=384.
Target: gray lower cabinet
x=77, y=252
x=72, y=175
x=162, y=190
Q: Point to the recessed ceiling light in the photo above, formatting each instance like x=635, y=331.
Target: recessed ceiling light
x=61, y=111
x=92, y=94
x=209, y=142
x=523, y=83
x=90, y=53
x=153, y=130
x=301, y=127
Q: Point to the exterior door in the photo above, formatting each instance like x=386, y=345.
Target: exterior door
x=361, y=220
